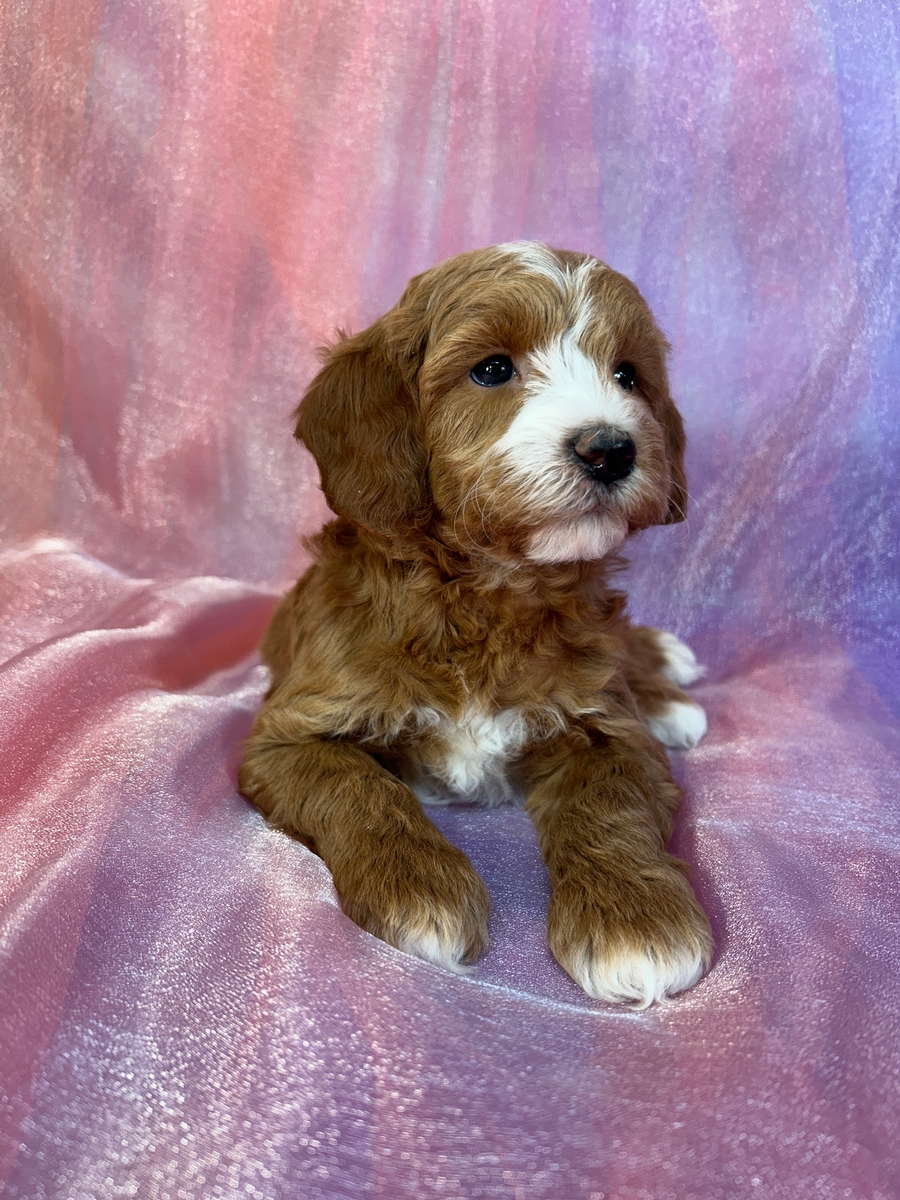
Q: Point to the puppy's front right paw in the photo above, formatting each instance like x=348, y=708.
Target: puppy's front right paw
x=421, y=895
x=636, y=941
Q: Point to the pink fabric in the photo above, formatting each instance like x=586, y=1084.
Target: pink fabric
x=194, y=196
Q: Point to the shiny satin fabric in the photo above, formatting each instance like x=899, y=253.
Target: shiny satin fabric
x=195, y=196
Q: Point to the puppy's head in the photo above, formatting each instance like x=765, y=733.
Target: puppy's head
x=515, y=400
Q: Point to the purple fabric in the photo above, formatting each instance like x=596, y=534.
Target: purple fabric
x=194, y=196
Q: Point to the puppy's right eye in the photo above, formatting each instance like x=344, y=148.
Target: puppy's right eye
x=493, y=371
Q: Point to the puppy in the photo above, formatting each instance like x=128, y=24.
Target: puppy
x=488, y=446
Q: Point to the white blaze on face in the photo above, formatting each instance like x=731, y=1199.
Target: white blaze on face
x=540, y=260
x=565, y=395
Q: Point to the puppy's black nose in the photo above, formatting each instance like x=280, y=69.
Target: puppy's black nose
x=607, y=454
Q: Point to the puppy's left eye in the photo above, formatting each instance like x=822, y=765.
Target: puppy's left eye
x=624, y=376
x=493, y=371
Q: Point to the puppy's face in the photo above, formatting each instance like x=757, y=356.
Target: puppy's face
x=515, y=398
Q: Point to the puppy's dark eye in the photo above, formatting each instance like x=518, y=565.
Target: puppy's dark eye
x=493, y=371
x=624, y=376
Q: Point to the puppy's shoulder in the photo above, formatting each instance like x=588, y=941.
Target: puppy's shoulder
x=343, y=606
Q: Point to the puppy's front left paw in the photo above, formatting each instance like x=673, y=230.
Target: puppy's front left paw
x=630, y=941
x=680, y=662
x=679, y=724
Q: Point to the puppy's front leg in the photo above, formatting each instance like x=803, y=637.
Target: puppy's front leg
x=397, y=876
x=623, y=920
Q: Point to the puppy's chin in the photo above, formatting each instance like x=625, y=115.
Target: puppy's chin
x=578, y=539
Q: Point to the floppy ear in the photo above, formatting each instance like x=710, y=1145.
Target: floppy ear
x=655, y=387
x=656, y=376
x=359, y=418
x=655, y=383
x=641, y=342
x=675, y=442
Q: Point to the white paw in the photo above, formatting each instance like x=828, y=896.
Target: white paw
x=435, y=946
x=639, y=978
x=681, y=662
x=681, y=724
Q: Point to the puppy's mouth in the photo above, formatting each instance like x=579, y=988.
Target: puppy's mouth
x=590, y=535
x=576, y=499
x=605, y=459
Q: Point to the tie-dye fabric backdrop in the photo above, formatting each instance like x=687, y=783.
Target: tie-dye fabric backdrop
x=195, y=194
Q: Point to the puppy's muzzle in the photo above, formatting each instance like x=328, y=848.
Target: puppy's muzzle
x=607, y=455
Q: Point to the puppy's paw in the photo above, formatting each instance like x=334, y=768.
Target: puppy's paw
x=634, y=942
x=679, y=724
x=681, y=664
x=424, y=897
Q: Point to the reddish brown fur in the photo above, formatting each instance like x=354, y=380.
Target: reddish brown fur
x=407, y=609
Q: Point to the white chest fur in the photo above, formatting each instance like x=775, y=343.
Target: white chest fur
x=465, y=759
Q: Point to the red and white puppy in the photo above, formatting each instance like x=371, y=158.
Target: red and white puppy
x=488, y=445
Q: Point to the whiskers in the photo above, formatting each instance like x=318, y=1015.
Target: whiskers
x=682, y=509
x=531, y=495
x=473, y=499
